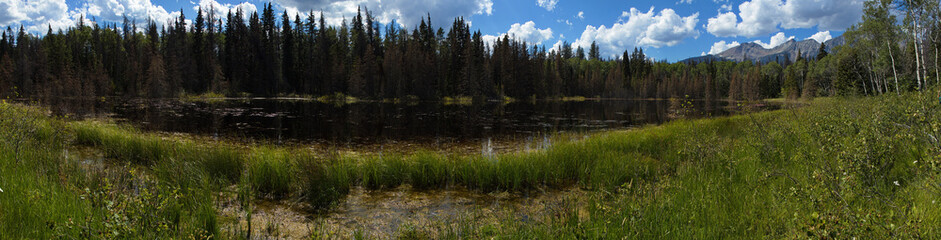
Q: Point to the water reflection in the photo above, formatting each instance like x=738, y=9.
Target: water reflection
x=346, y=125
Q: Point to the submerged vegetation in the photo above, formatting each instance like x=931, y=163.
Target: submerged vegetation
x=836, y=168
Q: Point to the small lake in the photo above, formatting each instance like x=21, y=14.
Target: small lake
x=376, y=123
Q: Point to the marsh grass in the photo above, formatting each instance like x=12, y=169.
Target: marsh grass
x=270, y=172
x=837, y=168
x=48, y=194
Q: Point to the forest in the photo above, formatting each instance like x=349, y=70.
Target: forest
x=270, y=55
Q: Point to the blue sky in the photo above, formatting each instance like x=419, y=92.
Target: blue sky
x=670, y=29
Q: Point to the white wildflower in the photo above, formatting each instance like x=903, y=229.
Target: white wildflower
x=896, y=183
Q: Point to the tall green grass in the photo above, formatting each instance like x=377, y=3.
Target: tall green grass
x=837, y=168
x=602, y=162
x=46, y=195
x=863, y=168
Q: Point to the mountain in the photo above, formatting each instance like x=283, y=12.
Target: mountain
x=786, y=51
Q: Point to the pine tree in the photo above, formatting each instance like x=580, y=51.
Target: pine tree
x=821, y=52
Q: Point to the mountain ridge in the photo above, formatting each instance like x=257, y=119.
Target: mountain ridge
x=787, y=51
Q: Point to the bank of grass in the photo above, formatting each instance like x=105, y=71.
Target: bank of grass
x=836, y=168
x=48, y=195
x=208, y=97
x=458, y=100
x=863, y=168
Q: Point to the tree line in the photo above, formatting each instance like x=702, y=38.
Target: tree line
x=270, y=55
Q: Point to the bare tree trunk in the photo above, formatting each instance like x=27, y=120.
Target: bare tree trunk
x=937, y=77
x=915, y=43
x=894, y=72
x=876, y=87
x=875, y=82
x=924, y=65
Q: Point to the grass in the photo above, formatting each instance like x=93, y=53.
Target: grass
x=836, y=168
x=208, y=97
x=48, y=196
x=338, y=99
x=458, y=100
x=840, y=168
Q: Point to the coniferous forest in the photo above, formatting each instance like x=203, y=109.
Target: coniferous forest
x=272, y=55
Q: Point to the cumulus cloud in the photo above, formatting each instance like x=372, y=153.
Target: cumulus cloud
x=776, y=40
x=760, y=17
x=38, y=16
x=405, y=12
x=641, y=29
x=490, y=39
x=581, y=15
x=721, y=46
x=140, y=11
x=527, y=32
x=723, y=25
x=821, y=36
x=222, y=9
x=547, y=4
x=10, y=12
x=558, y=46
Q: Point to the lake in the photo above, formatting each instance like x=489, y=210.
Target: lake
x=428, y=124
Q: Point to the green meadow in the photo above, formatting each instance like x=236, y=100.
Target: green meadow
x=835, y=168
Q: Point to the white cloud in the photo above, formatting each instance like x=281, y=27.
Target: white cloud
x=557, y=46
x=139, y=11
x=38, y=16
x=776, y=40
x=581, y=15
x=721, y=46
x=405, y=12
x=547, y=4
x=760, y=17
x=223, y=9
x=10, y=12
x=565, y=21
x=490, y=39
x=723, y=25
x=641, y=29
x=825, y=14
x=821, y=36
x=685, y=1
x=527, y=32
x=725, y=7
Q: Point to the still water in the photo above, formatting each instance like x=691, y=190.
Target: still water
x=365, y=123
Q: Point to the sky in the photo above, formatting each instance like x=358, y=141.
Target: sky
x=669, y=30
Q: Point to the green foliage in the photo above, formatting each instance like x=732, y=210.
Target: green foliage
x=47, y=193
x=270, y=172
x=323, y=184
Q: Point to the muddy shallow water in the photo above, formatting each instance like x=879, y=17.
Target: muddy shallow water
x=386, y=213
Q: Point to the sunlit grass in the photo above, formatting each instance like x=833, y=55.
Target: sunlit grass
x=837, y=168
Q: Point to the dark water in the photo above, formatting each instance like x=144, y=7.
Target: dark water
x=304, y=121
